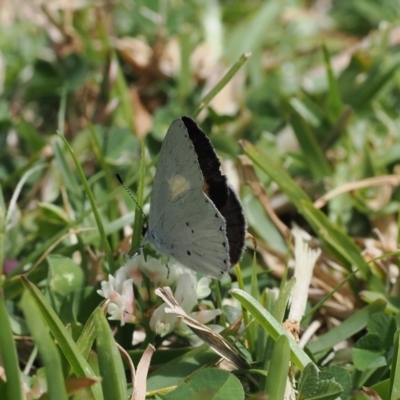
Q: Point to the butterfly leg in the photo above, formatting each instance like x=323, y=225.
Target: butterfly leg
x=138, y=252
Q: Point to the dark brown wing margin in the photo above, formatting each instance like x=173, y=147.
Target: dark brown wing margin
x=219, y=191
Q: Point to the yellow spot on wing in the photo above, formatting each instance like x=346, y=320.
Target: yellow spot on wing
x=177, y=185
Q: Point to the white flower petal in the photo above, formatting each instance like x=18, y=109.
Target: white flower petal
x=203, y=288
x=206, y=316
x=185, y=292
x=119, y=292
x=162, y=322
x=305, y=259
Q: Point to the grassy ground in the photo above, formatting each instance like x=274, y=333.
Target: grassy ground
x=301, y=102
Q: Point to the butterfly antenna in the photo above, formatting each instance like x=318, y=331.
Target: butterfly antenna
x=131, y=195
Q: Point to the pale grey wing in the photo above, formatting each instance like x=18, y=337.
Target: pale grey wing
x=199, y=234
x=177, y=158
x=183, y=222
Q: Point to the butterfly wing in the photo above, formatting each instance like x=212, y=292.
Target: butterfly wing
x=184, y=223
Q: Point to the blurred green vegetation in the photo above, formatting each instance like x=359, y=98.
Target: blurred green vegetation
x=316, y=109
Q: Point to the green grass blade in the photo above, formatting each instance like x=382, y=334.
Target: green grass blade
x=138, y=222
x=335, y=104
x=336, y=240
x=109, y=179
x=249, y=34
x=395, y=375
x=374, y=83
x=87, y=336
x=218, y=87
x=51, y=359
x=9, y=357
x=277, y=174
x=246, y=318
x=312, y=151
x=78, y=364
x=271, y=325
x=96, y=214
x=279, y=368
x=121, y=91
x=68, y=178
x=62, y=109
x=2, y=229
x=283, y=300
x=110, y=362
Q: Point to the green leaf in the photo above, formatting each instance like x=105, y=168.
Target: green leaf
x=383, y=389
x=65, y=275
x=392, y=302
x=172, y=373
x=316, y=385
x=308, y=382
x=210, y=384
x=53, y=212
x=349, y=327
x=383, y=325
x=30, y=135
x=343, y=377
x=367, y=353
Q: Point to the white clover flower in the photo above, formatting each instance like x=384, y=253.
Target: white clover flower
x=154, y=269
x=203, y=288
x=119, y=292
x=187, y=293
x=161, y=322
